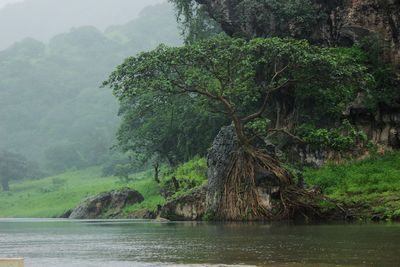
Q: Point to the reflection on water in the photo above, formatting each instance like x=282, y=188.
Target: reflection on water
x=147, y=244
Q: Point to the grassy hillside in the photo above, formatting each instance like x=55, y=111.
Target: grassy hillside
x=52, y=196
x=371, y=188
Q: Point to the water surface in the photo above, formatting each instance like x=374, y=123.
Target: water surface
x=62, y=243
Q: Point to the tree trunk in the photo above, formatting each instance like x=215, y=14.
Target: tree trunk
x=157, y=172
x=176, y=183
x=5, y=185
x=241, y=198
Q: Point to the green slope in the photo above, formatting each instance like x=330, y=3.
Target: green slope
x=52, y=196
x=371, y=187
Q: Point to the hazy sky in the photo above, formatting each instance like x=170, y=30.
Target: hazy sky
x=4, y=2
x=43, y=19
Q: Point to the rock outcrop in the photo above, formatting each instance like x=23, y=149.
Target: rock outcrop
x=382, y=127
x=379, y=17
x=142, y=214
x=191, y=207
x=106, y=205
x=219, y=159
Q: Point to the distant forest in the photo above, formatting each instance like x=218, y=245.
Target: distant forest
x=61, y=118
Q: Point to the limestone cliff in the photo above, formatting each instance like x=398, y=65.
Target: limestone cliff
x=329, y=22
x=380, y=17
x=343, y=20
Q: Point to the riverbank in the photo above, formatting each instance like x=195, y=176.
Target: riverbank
x=364, y=190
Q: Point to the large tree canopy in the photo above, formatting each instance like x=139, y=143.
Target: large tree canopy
x=233, y=76
x=236, y=79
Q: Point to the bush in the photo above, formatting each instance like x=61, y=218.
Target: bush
x=343, y=138
x=186, y=177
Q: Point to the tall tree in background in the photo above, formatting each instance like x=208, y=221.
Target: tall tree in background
x=12, y=167
x=236, y=79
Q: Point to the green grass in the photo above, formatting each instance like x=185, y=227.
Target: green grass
x=373, y=184
x=52, y=196
x=195, y=169
x=190, y=175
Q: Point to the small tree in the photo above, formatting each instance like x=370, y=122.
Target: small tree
x=12, y=167
x=236, y=78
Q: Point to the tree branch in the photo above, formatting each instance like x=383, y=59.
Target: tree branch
x=268, y=93
x=286, y=132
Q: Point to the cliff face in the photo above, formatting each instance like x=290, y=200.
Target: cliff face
x=332, y=22
x=380, y=17
x=343, y=20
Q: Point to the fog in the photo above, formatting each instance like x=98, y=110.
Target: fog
x=56, y=54
x=42, y=19
x=5, y=2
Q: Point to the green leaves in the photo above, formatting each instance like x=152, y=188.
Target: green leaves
x=343, y=138
x=236, y=79
x=236, y=69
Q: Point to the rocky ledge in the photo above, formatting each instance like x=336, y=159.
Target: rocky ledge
x=191, y=207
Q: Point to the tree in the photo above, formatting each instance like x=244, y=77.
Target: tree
x=162, y=128
x=12, y=167
x=236, y=78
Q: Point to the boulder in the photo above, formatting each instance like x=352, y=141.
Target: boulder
x=106, y=204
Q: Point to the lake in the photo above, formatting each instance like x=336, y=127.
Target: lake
x=123, y=243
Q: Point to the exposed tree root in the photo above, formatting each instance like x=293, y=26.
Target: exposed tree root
x=298, y=201
x=242, y=201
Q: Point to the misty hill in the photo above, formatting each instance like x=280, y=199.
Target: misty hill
x=51, y=107
x=42, y=19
